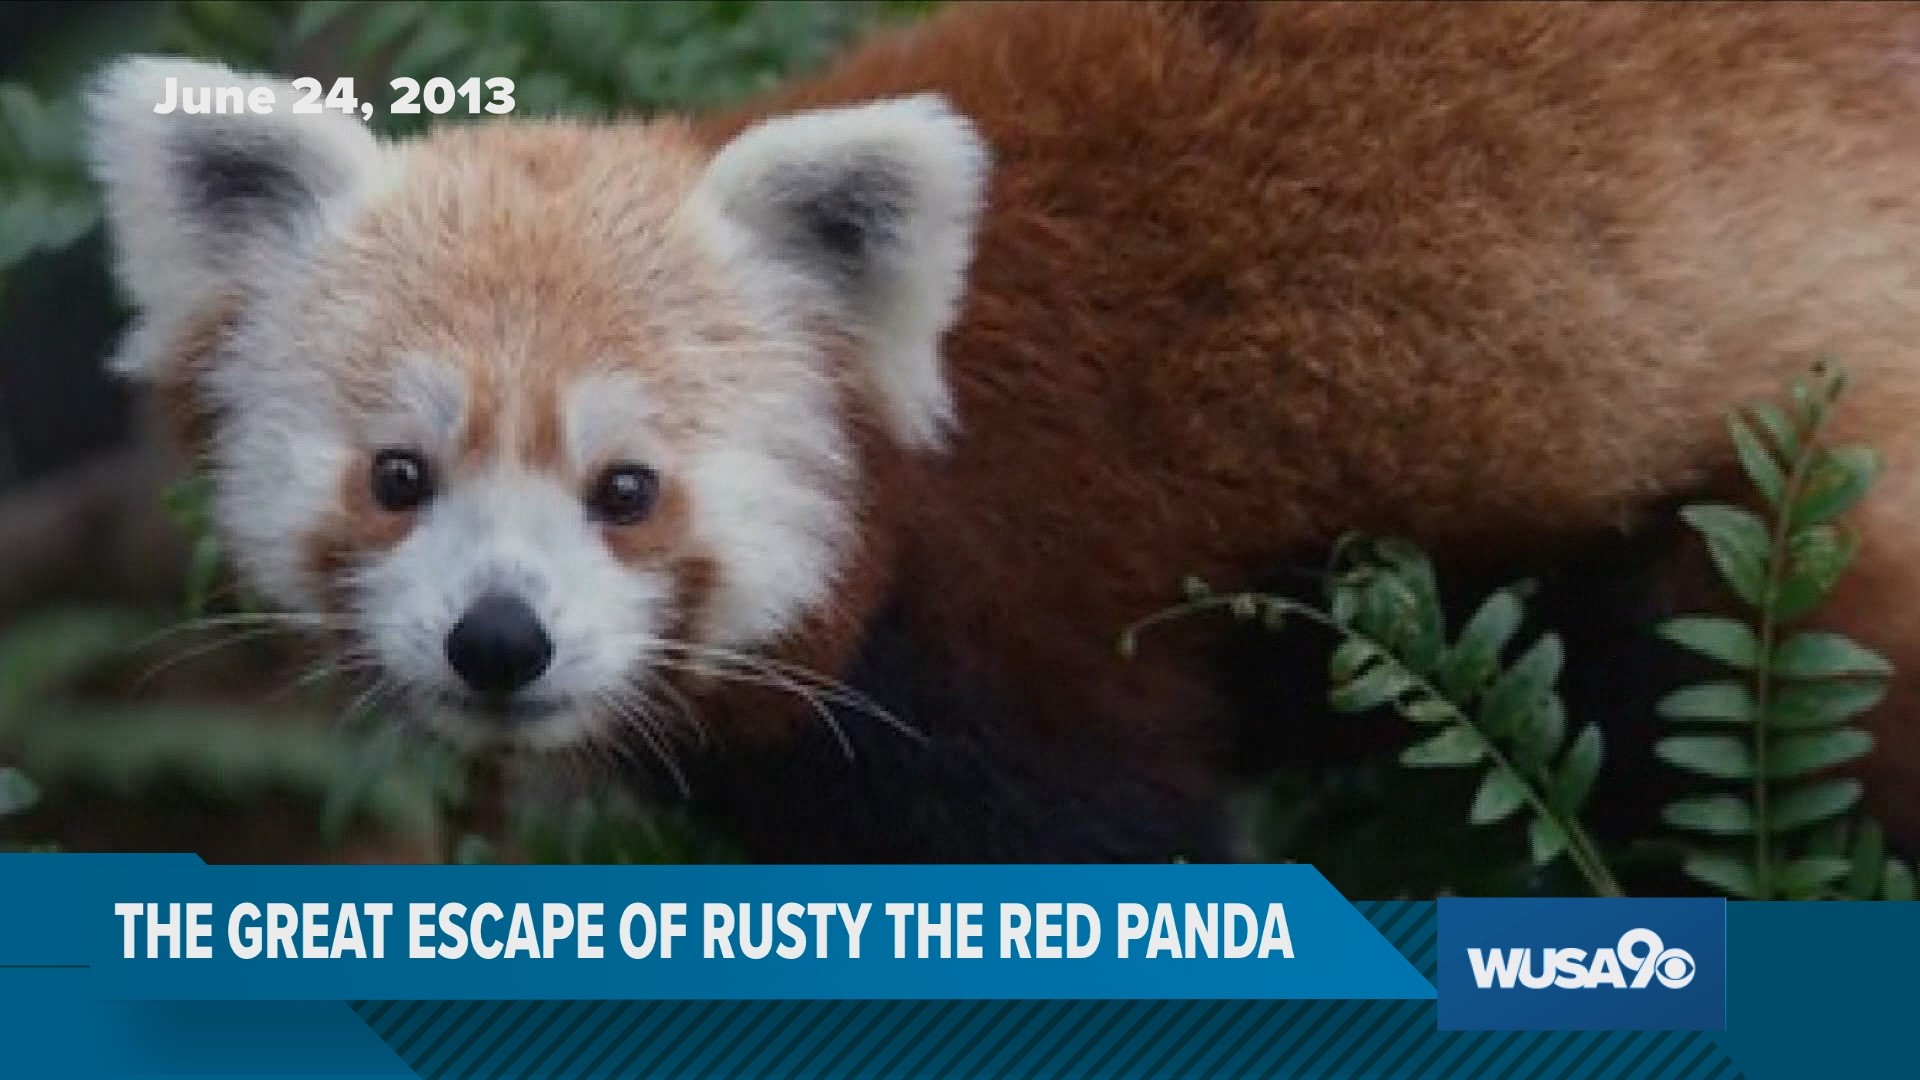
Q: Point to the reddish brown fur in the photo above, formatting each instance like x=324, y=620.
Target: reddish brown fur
x=1483, y=275
x=1487, y=276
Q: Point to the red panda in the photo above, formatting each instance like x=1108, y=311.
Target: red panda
x=906, y=388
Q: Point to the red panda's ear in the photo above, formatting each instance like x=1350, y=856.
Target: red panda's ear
x=196, y=202
x=876, y=207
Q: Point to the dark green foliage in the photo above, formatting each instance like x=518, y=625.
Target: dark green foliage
x=1472, y=708
x=46, y=202
x=1773, y=814
x=584, y=58
x=1766, y=742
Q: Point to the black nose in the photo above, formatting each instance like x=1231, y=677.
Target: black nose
x=498, y=646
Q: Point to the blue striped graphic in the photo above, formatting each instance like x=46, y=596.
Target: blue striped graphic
x=827, y=1039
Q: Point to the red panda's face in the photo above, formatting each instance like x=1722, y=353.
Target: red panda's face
x=532, y=414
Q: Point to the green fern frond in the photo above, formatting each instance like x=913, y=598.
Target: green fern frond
x=1471, y=708
x=1777, y=731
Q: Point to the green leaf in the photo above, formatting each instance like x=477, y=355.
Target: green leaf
x=1759, y=465
x=1798, y=706
x=1458, y=745
x=1738, y=543
x=42, y=651
x=1523, y=688
x=1786, y=441
x=315, y=16
x=385, y=25
x=1729, y=641
x=1540, y=736
x=1719, y=702
x=1353, y=655
x=1721, y=757
x=1578, y=769
x=473, y=850
x=1798, y=755
x=1868, y=855
x=1422, y=619
x=17, y=793
x=1816, y=560
x=1807, y=877
x=203, y=574
x=1812, y=804
x=426, y=53
x=1897, y=881
x=1476, y=655
x=1724, y=872
x=1838, y=479
x=1720, y=815
x=1819, y=654
x=1545, y=840
x=1425, y=709
x=1500, y=794
x=1374, y=687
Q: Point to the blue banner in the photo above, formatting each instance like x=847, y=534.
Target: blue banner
x=190, y=931
x=1759, y=990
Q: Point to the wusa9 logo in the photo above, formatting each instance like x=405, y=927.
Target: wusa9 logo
x=1582, y=965
x=1639, y=960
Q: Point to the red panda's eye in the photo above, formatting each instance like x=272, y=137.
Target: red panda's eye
x=624, y=493
x=401, y=480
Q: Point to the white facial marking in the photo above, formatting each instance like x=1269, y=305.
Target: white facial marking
x=606, y=418
x=425, y=408
x=527, y=536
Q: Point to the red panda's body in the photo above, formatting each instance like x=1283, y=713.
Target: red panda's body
x=1245, y=278
x=1485, y=276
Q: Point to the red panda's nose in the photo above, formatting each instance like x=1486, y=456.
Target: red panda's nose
x=499, y=646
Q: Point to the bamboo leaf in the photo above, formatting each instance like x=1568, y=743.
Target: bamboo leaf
x=1500, y=794
x=1729, y=641
x=1819, y=654
x=1813, y=804
x=1799, y=755
x=1718, y=815
x=1760, y=466
x=1458, y=745
x=1719, y=702
x=1738, y=543
x=1724, y=872
x=1721, y=757
x=1798, y=706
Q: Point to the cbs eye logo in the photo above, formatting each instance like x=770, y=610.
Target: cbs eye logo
x=1649, y=958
